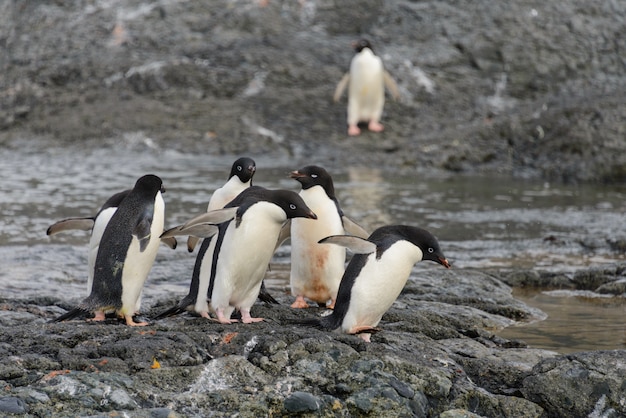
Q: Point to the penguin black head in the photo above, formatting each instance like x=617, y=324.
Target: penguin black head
x=419, y=237
x=244, y=168
x=313, y=175
x=292, y=204
x=360, y=44
x=150, y=184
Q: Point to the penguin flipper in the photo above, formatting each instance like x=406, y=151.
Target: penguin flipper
x=285, y=234
x=341, y=86
x=265, y=296
x=353, y=228
x=355, y=244
x=170, y=242
x=198, y=230
x=214, y=217
x=391, y=85
x=191, y=243
x=71, y=314
x=82, y=224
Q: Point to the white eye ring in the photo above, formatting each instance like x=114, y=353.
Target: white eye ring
x=431, y=250
x=292, y=206
x=314, y=176
x=239, y=168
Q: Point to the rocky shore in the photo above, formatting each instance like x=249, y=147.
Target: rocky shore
x=525, y=89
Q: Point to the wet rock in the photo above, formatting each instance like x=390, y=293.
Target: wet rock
x=581, y=384
x=11, y=405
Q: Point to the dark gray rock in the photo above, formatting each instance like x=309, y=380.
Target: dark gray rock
x=581, y=384
x=302, y=402
x=11, y=405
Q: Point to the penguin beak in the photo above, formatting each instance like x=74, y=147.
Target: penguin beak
x=311, y=215
x=444, y=262
x=162, y=189
x=296, y=175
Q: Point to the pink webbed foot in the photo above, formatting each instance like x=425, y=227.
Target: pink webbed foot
x=375, y=126
x=99, y=316
x=222, y=318
x=131, y=323
x=353, y=130
x=299, y=303
x=247, y=319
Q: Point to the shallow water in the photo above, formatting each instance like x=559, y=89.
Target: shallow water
x=481, y=222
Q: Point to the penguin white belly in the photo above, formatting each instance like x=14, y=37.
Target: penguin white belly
x=94, y=242
x=222, y=196
x=379, y=284
x=138, y=263
x=366, y=91
x=316, y=269
x=244, y=257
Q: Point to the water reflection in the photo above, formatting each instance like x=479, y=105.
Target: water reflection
x=481, y=222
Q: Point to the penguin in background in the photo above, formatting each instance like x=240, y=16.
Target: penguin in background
x=376, y=275
x=127, y=249
x=316, y=269
x=96, y=224
x=230, y=266
x=366, y=84
x=239, y=179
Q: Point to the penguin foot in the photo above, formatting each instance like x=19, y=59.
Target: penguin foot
x=375, y=126
x=365, y=332
x=223, y=319
x=131, y=323
x=353, y=130
x=299, y=303
x=247, y=319
x=98, y=316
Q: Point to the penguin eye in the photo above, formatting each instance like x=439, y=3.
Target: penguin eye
x=314, y=176
x=292, y=206
x=431, y=250
x=239, y=168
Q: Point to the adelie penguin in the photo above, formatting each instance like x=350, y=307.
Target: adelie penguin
x=230, y=267
x=96, y=224
x=239, y=179
x=126, y=252
x=376, y=275
x=316, y=269
x=366, y=83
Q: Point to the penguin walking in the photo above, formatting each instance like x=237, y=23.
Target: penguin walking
x=316, y=269
x=230, y=267
x=366, y=83
x=239, y=179
x=376, y=275
x=126, y=251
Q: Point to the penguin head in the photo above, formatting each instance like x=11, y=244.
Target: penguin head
x=361, y=44
x=150, y=184
x=244, y=168
x=386, y=236
x=292, y=204
x=313, y=175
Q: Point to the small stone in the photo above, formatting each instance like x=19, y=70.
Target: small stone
x=302, y=402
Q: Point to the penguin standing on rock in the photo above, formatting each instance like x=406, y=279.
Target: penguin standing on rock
x=316, y=269
x=366, y=83
x=239, y=179
x=126, y=252
x=230, y=266
x=376, y=275
x=97, y=224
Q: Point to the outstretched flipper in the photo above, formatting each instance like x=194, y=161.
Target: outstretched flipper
x=355, y=244
x=391, y=85
x=353, y=228
x=341, y=86
x=82, y=224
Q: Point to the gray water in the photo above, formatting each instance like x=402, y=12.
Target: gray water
x=485, y=222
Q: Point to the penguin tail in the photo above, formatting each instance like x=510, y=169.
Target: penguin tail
x=173, y=311
x=327, y=323
x=71, y=314
x=265, y=296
